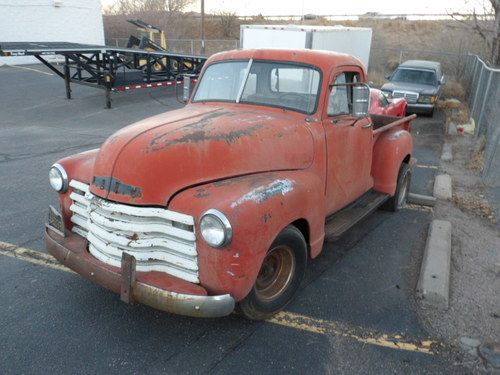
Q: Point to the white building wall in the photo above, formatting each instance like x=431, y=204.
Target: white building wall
x=77, y=21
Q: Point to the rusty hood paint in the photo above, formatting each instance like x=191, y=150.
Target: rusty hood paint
x=148, y=162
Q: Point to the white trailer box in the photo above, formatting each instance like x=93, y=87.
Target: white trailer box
x=354, y=41
x=75, y=21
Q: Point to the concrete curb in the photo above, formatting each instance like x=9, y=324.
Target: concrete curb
x=422, y=200
x=447, y=153
x=442, y=187
x=434, y=282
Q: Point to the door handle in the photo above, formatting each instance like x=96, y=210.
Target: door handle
x=367, y=126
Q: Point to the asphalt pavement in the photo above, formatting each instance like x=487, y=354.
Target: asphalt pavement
x=358, y=293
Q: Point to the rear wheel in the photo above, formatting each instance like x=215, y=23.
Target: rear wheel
x=279, y=277
x=398, y=201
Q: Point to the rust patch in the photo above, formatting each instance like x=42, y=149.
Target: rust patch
x=201, y=193
x=199, y=131
x=133, y=237
x=206, y=135
x=265, y=218
x=200, y=124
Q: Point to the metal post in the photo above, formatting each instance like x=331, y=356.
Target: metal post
x=108, y=96
x=203, y=27
x=67, y=78
x=109, y=77
x=472, y=78
x=192, y=47
x=148, y=69
x=472, y=112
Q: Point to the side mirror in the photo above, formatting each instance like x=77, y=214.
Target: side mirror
x=186, y=89
x=387, y=76
x=442, y=80
x=360, y=100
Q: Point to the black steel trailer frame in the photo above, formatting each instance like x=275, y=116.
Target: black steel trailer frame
x=109, y=68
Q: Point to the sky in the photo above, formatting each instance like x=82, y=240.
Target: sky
x=335, y=7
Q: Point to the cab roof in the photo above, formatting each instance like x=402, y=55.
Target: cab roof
x=324, y=60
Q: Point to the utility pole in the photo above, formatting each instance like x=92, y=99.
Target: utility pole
x=202, y=27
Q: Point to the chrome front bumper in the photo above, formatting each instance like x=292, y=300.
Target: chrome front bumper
x=71, y=251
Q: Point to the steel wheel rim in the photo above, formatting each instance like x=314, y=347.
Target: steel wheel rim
x=402, y=193
x=275, y=274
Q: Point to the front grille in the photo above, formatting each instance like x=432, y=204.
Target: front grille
x=411, y=97
x=159, y=239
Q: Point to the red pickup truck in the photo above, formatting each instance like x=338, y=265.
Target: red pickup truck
x=223, y=203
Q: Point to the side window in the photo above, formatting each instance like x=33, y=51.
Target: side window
x=294, y=80
x=340, y=98
x=250, y=87
x=337, y=101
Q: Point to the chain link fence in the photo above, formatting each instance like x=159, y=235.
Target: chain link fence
x=482, y=85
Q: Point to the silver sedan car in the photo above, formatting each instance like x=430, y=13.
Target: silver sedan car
x=419, y=82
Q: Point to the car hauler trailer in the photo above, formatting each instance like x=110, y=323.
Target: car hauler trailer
x=108, y=68
x=355, y=41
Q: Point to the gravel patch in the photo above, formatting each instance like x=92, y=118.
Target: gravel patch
x=474, y=304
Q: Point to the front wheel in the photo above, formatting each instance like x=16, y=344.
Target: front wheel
x=397, y=202
x=279, y=277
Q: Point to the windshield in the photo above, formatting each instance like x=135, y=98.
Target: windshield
x=275, y=84
x=424, y=77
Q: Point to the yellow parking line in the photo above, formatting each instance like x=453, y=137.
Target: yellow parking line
x=359, y=334
x=427, y=166
x=284, y=318
x=31, y=256
x=417, y=207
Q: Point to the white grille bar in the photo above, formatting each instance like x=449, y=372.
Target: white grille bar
x=159, y=239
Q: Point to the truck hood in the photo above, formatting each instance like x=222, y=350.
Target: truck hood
x=414, y=87
x=148, y=162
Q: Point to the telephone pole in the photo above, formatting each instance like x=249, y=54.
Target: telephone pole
x=202, y=27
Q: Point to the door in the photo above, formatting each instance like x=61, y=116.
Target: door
x=348, y=144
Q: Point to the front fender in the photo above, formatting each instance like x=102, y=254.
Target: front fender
x=258, y=207
x=390, y=150
x=78, y=167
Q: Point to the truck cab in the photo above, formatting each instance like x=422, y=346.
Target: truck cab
x=226, y=200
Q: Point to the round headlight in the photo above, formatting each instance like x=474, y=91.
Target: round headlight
x=58, y=178
x=215, y=228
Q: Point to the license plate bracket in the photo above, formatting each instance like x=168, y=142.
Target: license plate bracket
x=55, y=221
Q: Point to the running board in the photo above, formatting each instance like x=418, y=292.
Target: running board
x=338, y=223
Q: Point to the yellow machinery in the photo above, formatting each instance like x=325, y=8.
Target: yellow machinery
x=151, y=39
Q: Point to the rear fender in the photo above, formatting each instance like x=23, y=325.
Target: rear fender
x=390, y=150
x=258, y=208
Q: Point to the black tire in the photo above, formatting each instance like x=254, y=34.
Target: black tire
x=396, y=202
x=267, y=297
